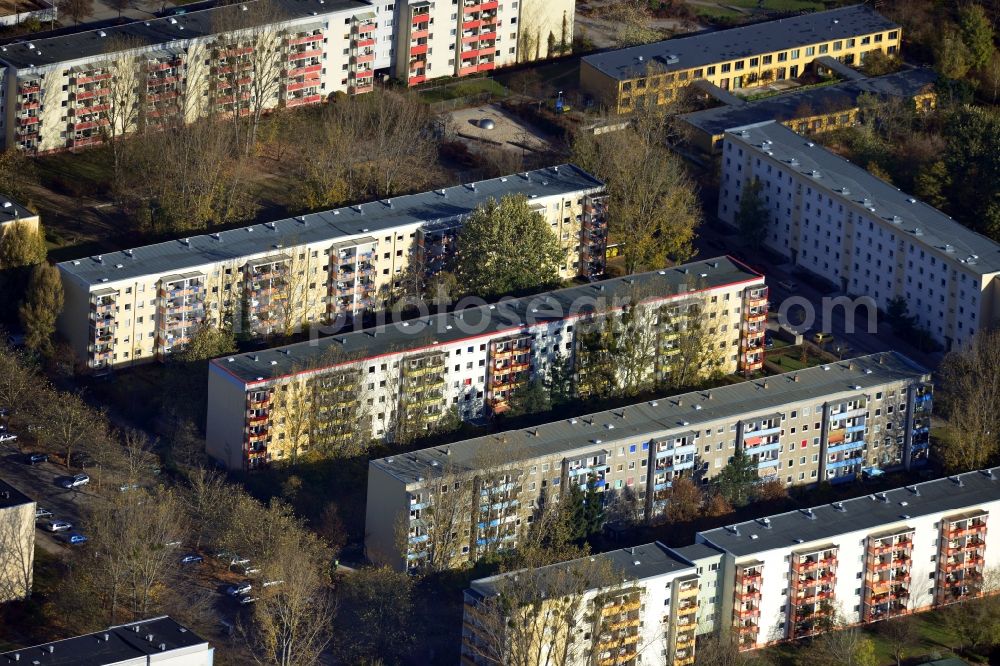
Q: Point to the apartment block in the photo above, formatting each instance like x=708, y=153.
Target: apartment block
x=648, y=609
x=405, y=376
x=744, y=57
x=810, y=111
x=159, y=640
x=145, y=303
x=861, y=234
x=17, y=543
x=58, y=92
x=830, y=423
x=434, y=39
x=779, y=577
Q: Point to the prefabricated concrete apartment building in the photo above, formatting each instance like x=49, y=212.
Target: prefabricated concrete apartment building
x=142, y=304
x=864, y=236
x=369, y=383
x=58, y=92
x=828, y=423
x=768, y=580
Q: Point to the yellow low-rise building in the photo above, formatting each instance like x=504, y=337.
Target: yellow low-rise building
x=744, y=57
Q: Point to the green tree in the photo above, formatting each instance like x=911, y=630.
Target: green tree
x=208, y=341
x=593, y=507
x=21, y=245
x=41, y=306
x=931, y=183
x=879, y=63
x=952, y=59
x=505, y=247
x=529, y=398
x=737, y=479
x=752, y=217
x=977, y=34
x=560, y=382
x=381, y=601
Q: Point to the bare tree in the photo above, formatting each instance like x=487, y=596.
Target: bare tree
x=66, y=422
x=17, y=552
x=971, y=392
x=126, y=89
x=250, y=65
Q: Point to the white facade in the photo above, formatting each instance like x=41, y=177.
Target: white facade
x=145, y=303
x=861, y=234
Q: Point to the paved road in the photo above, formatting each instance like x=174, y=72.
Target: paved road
x=39, y=483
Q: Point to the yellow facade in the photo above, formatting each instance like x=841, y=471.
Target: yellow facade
x=660, y=87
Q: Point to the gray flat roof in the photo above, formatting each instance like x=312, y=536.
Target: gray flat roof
x=122, y=643
x=11, y=496
x=153, y=31
x=508, y=314
x=713, y=47
x=795, y=103
x=677, y=413
x=636, y=563
x=788, y=530
x=937, y=230
x=349, y=221
x=11, y=210
x=696, y=551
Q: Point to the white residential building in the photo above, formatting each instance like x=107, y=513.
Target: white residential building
x=145, y=303
x=409, y=374
x=861, y=234
x=779, y=577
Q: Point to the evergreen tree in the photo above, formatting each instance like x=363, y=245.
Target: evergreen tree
x=737, y=479
x=752, y=217
x=977, y=34
x=41, y=306
x=593, y=507
x=529, y=398
x=577, y=513
x=560, y=382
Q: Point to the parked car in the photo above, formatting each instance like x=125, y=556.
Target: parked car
x=73, y=538
x=125, y=487
x=41, y=513
x=75, y=481
x=192, y=558
x=250, y=571
x=53, y=525
x=239, y=589
x=172, y=544
x=7, y=437
x=36, y=458
x=269, y=583
x=237, y=561
x=247, y=599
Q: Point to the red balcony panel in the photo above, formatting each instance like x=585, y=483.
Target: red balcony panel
x=367, y=27
x=365, y=43
x=295, y=41
x=419, y=34
x=419, y=49
x=421, y=18
x=364, y=74
x=301, y=85
x=414, y=80
x=84, y=141
x=30, y=120
x=365, y=57
x=485, y=67
x=360, y=90
x=302, y=55
x=28, y=89
x=308, y=69
x=472, y=25
x=309, y=99
x=24, y=106
x=465, y=71
x=490, y=4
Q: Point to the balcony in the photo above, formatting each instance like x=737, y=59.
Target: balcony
x=295, y=41
x=364, y=43
x=418, y=49
x=301, y=101
x=421, y=18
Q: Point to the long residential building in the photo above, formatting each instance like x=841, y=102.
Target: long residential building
x=812, y=110
x=71, y=91
x=746, y=57
x=145, y=303
x=864, y=236
x=17, y=543
x=404, y=377
x=160, y=640
x=763, y=581
x=830, y=423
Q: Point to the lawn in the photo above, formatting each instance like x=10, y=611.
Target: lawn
x=778, y=5
x=789, y=359
x=458, y=89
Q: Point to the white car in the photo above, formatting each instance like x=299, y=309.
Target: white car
x=58, y=525
x=7, y=437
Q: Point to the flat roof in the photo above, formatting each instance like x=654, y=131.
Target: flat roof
x=350, y=221
x=165, y=31
x=697, y=551
x=11, y=496
x=509, y=314
x=707, y=48
x=636, y=563
x=811, y=101
x=830, y=172
x=827, y=523
x=11, y=211
x=111, y=646
x=676, y=413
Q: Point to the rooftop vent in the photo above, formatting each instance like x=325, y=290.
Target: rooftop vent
x=733, y=529
x=988, y=473
x=949, y=248
x=839, y=506
x=808, y=513
x=754, y=537
x=911, y=200
x=101, y=33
